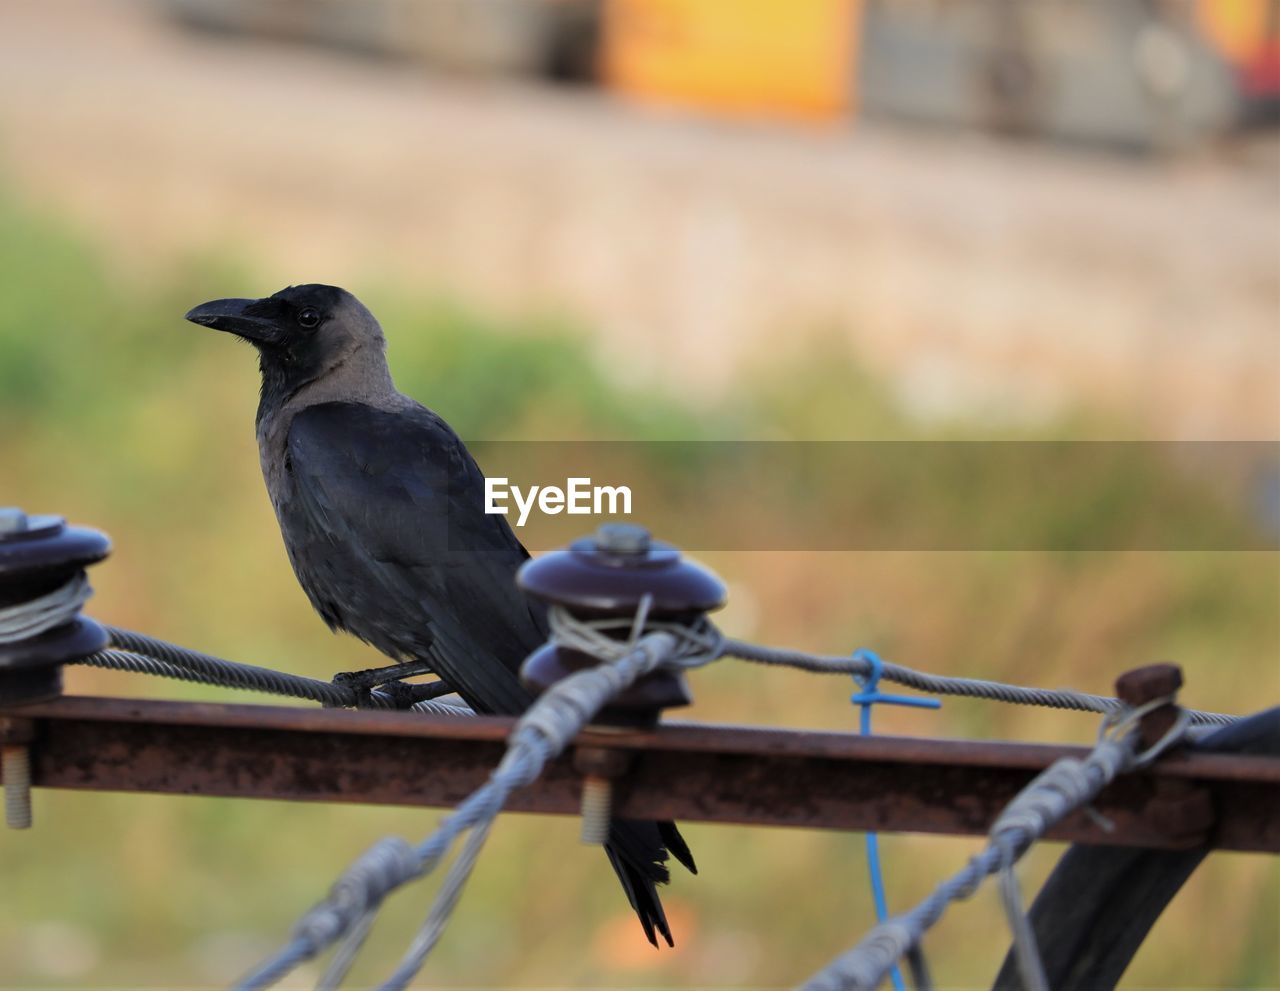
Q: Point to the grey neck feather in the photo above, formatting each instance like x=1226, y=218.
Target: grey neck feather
x=358, y=375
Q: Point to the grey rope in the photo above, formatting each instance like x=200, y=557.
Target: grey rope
x=225, y=674
x=232, y=674
x=931, y=684
x=121, y=660
x=1066, y=785
x=142, y=654
x=436, y=707
x=24, y=620
x=541, y=734
x=1025, y=951
x=591, y=638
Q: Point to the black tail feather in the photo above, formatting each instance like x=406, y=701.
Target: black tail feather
x=643, y=897
x=638, y=852
x=676, y=844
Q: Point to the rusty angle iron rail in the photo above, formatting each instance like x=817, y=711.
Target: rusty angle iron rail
x=687, y=771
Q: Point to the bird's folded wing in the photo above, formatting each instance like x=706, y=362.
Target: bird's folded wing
x=387, y=529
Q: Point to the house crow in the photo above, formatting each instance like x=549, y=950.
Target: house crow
x=382, y=512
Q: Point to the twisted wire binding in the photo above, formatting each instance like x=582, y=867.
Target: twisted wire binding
x=701, y=642
x=1066, y=785
x=24, y=620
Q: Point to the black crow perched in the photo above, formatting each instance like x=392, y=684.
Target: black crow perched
x=382, y=512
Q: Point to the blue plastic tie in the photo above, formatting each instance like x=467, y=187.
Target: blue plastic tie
x=869, y=695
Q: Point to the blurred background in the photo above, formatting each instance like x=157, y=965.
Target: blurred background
x=643, y=220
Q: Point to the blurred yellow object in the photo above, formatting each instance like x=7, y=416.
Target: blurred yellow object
x=750, y=57
x=1238, y=28
x=1247, y=33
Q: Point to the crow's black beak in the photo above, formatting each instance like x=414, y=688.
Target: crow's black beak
x=232, y=316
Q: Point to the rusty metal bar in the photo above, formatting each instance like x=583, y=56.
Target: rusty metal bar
x=690, y=772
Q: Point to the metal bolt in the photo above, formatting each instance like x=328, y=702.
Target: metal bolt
x=12, y=520
x=622, y=538
x=15, y=764
x=1146, y=684
x=600, y=767
x=1180, y=810
x=16, y=734
x=597, y=809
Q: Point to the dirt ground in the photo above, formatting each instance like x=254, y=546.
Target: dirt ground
x=983, y=279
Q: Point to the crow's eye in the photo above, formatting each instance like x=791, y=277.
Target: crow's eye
x=309, y=318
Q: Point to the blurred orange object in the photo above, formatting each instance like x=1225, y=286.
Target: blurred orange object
x=1247, y=33
x=764, y=58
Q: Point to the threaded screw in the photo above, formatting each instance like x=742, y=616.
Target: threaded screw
x=15, y=764
x=599, y=767
x=597, y=809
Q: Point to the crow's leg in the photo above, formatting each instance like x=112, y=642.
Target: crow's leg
x=387, y=681
x=373, y=677
x=403, y=694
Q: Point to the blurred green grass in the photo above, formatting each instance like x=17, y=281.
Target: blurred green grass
x=118, y=414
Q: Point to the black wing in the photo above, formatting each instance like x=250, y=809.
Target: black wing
x=386, y=529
